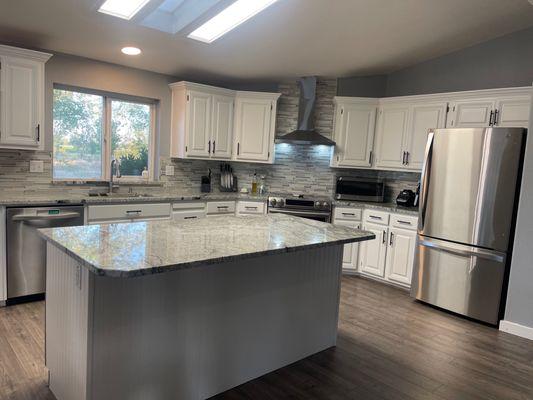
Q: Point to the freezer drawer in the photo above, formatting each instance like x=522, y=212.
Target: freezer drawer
x=463, y=279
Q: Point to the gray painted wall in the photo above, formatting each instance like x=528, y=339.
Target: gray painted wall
x=503, y=62
x=362, y=86
x=519, y=308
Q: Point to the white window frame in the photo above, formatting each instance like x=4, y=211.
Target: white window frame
x=107, y=99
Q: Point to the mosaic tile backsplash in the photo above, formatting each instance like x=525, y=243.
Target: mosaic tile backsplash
x=297, y=169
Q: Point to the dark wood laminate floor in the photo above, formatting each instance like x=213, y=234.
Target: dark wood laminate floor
x=389, y=347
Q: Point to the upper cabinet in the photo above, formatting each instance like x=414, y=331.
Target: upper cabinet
x=398, y=139
x=22, y=98
x=504, y=110
x=220, y=124
x=255, y=122
x=354, y=128
x=391, y=135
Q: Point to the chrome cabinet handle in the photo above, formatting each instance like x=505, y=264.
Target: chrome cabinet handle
x=384, y=236
x=38, y=132
x=190, y=217
x=390, y=239
x=403, y=158
x=495, y=122
x=350, y=214
x=219, y=207
x=238, y=148
x=209, y=150
x=250, y=208
x=403, y=222
x=375, y=217
x=133, y=211
x=370, y=157
x=490, y=118
x=214, y=142
x=406, y=158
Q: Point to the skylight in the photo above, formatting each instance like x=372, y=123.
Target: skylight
x=228, y=19
x=125, y=9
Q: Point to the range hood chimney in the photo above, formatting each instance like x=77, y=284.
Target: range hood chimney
x=305, y=132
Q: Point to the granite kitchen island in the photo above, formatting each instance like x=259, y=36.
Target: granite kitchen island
x=186, y=310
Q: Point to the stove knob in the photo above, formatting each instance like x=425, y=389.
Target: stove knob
x=281, y=202
x=273, y=202
x=325, y=204
x=318, y=204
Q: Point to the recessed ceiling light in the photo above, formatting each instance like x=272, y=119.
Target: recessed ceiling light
x=125, y=9
x=131, y=51
x=229, y=18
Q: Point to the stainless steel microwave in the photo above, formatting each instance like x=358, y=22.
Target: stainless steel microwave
x=360, y=189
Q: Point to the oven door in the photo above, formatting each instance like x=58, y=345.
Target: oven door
x=323, y=216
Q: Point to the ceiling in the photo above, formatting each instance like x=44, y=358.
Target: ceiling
x=289, y=39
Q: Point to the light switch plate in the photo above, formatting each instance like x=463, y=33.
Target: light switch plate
x=36, y=166
x=169, y=170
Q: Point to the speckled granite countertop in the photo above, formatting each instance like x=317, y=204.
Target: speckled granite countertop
x=140, y=248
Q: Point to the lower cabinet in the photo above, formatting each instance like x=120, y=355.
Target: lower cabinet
x=136, y=212
x=188, y=210
x=400, y=255
x=372, y=258
x=390, y=256
x=251, y=208
x=350, y=257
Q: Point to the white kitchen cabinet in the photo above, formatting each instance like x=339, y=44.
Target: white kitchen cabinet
x=512, y=112
x=198, y=124
x=251, y=208
x=201, y=121
x=391, y=135
x=350, y=256
x=220, y=208
x=22, y=98
x=188, y=210
x=372, y=255
x=255, y=121
x=131, y=212
x=222, y=139
x=472, y=113
x=354, y=132
x=422, y=118
x=400, y=255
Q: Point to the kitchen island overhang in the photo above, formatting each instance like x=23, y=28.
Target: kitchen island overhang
x=188, y=309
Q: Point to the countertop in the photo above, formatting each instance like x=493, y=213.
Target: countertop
x=170, y=197
x=140, y=248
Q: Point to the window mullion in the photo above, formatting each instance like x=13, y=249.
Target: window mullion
x=107, y=140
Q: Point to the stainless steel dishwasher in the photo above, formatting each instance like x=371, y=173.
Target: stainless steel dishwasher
x=26, y=250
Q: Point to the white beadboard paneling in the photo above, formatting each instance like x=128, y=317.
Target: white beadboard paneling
x=194, y=333
x=67, y=312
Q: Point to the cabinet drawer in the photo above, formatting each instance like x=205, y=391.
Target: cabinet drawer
x=404, y=221
x=251, y=207
x=353, y=214
x=376, y=217
x=220, y=207
x=188, y=205
x=129, y=211
x=178, y=215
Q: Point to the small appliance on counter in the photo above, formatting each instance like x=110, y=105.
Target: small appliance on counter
x=406, y=198
x=228, y=181
x=206, y=183
x=360, y=189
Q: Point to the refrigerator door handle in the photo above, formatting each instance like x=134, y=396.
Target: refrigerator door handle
x=462, y=250
x=424, y=179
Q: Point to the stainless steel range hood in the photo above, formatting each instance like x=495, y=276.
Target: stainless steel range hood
x=306, y=134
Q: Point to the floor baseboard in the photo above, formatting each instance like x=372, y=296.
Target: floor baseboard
x=516, y=329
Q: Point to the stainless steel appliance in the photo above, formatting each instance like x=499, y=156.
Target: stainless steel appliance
x=467, y=207
x=315, y=208
x=360, y=189
x=26, y=250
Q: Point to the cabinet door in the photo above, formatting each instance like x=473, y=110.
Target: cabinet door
x=400, y=255
x=354, y=134
x=391, y=136
x=471, y=113
x=21, y=102
x=423, y=117
x=198, y=124
x=350, y=256
x=253, y=129
x=513, y=112
x=373, y=252
x=222, y=127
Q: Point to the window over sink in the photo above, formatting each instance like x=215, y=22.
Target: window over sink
x=90, y=129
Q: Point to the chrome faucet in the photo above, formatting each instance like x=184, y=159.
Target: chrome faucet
x=114, y=163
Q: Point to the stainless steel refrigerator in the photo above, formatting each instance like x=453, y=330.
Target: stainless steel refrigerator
x=467, y=205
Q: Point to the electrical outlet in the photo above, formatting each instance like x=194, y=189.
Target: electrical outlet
x=169, y=170
x=36, y=166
